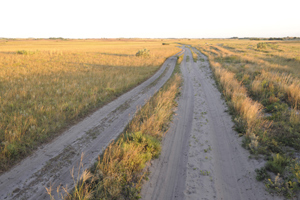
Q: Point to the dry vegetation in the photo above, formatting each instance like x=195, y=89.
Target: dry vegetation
x=47, y=84
x=261, y=83
x=119, y=172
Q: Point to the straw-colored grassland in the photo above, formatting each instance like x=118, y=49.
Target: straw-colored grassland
x=46, y=85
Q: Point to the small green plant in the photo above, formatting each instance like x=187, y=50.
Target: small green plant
x=149, y=143
x=143, y=53
x=204, y=172
x=277, y=164
x=262, y=174
x=261, y=45
x=208, y=149
x=25, y=52
x=282, y=187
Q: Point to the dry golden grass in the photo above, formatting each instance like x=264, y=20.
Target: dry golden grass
x=286, y=83
x=180, y=59
x=250, y=111
x=194, y=54
x=57, y=81
x=277, y=63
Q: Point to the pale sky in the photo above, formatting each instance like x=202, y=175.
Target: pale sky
x=149, y=19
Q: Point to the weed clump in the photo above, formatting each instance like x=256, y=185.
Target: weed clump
x=143, y=53
x=277, y=164
x=261, y=45
x=25, y=52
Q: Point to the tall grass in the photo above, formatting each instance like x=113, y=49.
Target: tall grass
x=43, y=92
x=248, y=110
x=119, y=172
x=194, y=54
x=287, y=85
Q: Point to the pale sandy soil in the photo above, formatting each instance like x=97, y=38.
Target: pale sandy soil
x=202, y=157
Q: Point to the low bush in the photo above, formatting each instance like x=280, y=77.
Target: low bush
x=143, y=53
x=277, y=164
x=261, y=45
x=25, y=52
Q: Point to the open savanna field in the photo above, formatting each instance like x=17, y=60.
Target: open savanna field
x=152, y=118
x=46, y=85
x=260, y=80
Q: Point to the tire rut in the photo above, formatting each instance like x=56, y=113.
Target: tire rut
x=167, y=178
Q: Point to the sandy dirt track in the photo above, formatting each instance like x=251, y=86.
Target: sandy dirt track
x=202, y=157
x=51, y=163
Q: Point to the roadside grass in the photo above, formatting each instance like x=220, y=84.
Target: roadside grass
x=46, y=85
x=194, y=54
x=180, y=58
x=261, y=84
x=119, y=172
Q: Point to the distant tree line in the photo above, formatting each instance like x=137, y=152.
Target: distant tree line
x=271, y=38
x=56, y=38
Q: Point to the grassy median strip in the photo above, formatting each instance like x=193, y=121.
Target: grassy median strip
x=119, y=172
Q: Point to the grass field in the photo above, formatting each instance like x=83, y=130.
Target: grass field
x=261, y=83
x=45, y=85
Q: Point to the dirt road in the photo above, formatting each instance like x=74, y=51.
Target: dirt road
x=51, y=163
x=202, y=157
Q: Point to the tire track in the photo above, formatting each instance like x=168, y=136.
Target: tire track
x=167, y=179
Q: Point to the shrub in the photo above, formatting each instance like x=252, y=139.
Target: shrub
x=277, y=164
x=165, y=43
x=261, y=174
x=261, y=45
x=143, y=53
x=24, y=52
